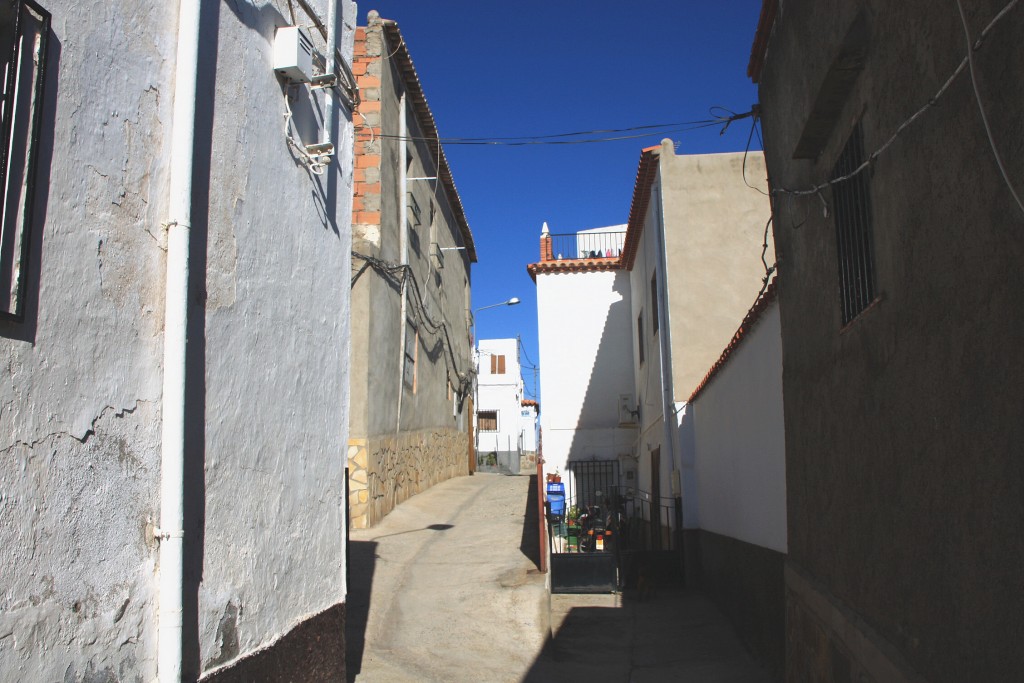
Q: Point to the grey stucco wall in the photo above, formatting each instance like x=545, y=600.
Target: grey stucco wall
x=80, y=408
x=403, y=439
x=903, y=430
x=277, y=329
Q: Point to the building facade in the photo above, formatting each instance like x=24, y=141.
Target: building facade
x=175, y=327
x=499, y=431
x=900, y=244
x=411, y=356
x=631, y=317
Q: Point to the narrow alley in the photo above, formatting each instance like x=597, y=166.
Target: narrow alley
x=445, y=588
x=441, y=591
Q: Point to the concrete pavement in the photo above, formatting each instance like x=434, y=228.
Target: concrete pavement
x=444, y=590
x=441, y=590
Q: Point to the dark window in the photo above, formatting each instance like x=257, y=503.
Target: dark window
x=24, y=27
x=854, y=241
x=640, y=336
x=411, y=349
x=654, y=302
x=487, y=421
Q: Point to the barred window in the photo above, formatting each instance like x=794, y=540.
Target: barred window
x=24, y=27
x=854, y=240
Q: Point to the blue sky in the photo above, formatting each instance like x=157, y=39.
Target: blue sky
x=502, y=69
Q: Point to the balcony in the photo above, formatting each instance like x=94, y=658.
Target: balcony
x=582, y=245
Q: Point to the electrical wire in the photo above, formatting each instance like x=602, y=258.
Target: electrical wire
x=562, y=138
x=397, y=274
x=543, y=142
x=906, y=124
x=746, y=151
x=981, y=108
x=313, y=162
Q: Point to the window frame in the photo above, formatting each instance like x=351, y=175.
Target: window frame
x=480, y=421
x=654, y=303
x=16, y=227
x=640, y=335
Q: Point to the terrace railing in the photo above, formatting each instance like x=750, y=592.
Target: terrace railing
x=585, y=245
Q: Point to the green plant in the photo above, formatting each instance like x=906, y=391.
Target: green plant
x=572, y=515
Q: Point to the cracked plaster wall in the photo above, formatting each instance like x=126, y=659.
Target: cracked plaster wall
x=79, y=406
x=80, y=401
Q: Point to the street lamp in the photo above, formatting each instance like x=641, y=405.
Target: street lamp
x=510, y=302
x=476, y=381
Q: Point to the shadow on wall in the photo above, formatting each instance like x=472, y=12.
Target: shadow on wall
x=599, y=408
x=195, y=359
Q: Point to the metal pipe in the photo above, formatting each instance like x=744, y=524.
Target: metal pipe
x=403, y=245
x=172, y=464
x=332, y=49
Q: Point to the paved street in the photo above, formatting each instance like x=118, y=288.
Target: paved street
x=451, y=596
x=442, y=590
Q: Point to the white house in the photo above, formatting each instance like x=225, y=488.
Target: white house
x=528, y=426
x=173, y=412
x=499, y=405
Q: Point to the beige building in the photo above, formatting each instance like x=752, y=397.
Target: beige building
x=412, y=251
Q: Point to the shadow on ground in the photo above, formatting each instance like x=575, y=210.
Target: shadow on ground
x=529, y=542
x=362, y=559
x=669, y=635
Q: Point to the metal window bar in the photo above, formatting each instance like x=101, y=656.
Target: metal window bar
x=854, y=230
x=587, y=245
x=27, y=27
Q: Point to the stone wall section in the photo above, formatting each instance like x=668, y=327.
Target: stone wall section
x=388, y=470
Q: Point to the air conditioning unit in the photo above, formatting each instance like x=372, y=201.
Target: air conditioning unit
x=293, y=54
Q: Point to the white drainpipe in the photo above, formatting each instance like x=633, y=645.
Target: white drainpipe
x=332, y=49
x=172, y=468
x=403, y=245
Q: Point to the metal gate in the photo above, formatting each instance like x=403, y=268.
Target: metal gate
x=640, y=526
x=576, y=565
x=500, y=462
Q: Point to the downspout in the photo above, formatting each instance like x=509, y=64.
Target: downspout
x=403, y=248
x=332, y=49
x=172, y=465
x=665, y=342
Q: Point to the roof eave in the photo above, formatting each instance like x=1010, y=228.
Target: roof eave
x=425, y=118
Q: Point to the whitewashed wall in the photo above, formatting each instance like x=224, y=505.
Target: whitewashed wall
x=500, y=392
x=80, y=405
x=739, y=441
x=528, y=428
x=586, y=349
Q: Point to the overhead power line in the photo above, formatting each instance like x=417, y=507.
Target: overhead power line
x=581, y=137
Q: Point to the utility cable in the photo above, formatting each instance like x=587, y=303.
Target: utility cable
x=981, y=108
x=396, y=274
x=906, y=124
